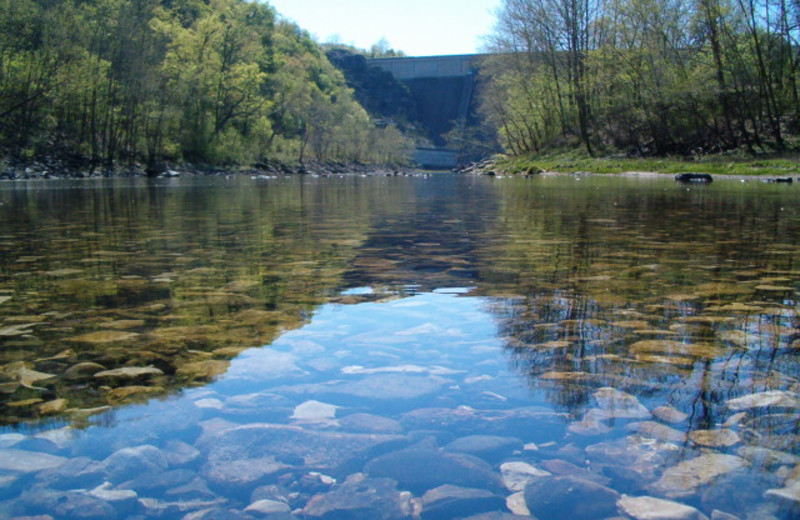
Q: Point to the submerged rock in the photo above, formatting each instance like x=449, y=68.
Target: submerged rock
x=651, y=508
x=448, y=501
x=772, y=398
x=620, y=405
x=129, y=463
x=83, y=371
x=103, y=337
x=485, y=446
x=657, y=431
x=422, y=469
x=368, y=423
x=670, y=414
x=22, y=461
x=361, y=497
x=129, y=373
x=517, y=475
x=569, y=497
x=688, y=477
x=243, y=455
x=715, y=438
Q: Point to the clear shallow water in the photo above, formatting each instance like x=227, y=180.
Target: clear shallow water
x=195, y=347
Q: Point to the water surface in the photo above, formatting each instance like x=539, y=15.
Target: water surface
x=196, y=347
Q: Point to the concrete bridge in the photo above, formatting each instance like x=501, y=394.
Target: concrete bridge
x=443, y=88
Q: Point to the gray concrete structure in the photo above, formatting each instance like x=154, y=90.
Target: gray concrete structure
x=436, y=158
x=429, y=66
x=442, y=87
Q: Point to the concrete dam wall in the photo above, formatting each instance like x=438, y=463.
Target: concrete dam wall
x=442, y=88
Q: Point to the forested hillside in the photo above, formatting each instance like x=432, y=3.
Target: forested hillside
x=211, y=81
x=646, y=77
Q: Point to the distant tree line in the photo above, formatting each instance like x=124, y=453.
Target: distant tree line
x=214, y=81
x=648, y=77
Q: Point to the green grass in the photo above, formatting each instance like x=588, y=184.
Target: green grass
x=775, y=166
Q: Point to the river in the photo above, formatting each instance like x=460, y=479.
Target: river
x=427, y=346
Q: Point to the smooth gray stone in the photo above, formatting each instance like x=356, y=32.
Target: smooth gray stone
x=422, y=469
x=361, y=497
x=569, y=497
x=448, y=501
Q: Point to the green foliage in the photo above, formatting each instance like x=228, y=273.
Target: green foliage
x=217, y=81
x=646, y=77
x=739, y=164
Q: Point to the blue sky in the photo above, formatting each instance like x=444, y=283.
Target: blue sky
x=417, y=27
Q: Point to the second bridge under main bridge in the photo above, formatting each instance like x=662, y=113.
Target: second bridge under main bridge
x=442, y=88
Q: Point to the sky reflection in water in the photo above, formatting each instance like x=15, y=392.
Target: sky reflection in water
x=633, y=334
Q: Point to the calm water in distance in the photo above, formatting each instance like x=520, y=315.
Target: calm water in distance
x=188, y=348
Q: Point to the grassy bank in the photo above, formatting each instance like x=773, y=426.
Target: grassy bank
x=747, y=165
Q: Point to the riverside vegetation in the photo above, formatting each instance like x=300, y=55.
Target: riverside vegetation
x=645, y=77
x=221, y=82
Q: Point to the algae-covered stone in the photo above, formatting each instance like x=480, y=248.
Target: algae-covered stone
x=202, y=370
x=103, y=337
x=723, y=438
x=129, y=373
x=83, y=371
x=52, y=407
x=132, y=393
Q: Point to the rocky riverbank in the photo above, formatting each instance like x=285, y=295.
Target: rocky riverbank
x=66, y=168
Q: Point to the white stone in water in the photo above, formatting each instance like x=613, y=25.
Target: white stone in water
x=517, y=475
x=790, y=493
x=129, y=372
x=314, y=411
x=10, y=439
x=23, y=461
x=776, y=398
x=516, y=504
x=106, y=492
x=651, y=508
x=267, y=507
x=209, y=403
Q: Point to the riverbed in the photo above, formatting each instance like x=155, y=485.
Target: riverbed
x=424, y=346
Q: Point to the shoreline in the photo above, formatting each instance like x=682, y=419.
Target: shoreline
x=58, y=170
